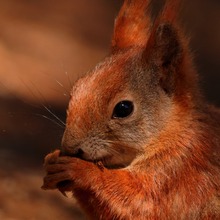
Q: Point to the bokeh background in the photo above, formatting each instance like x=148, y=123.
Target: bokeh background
x=45, y=46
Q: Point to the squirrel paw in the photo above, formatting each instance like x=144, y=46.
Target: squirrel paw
x=64, y=172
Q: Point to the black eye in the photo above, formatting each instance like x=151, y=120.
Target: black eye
x=123, y=109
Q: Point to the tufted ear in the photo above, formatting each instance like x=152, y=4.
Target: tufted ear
x=165, y=52
x=167, y=46
x=131, y=25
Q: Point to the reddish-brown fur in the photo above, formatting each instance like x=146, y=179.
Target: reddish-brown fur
x=161, y=162
x=131, y=19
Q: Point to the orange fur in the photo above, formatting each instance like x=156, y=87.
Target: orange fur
x=131, y=19
x=161, y=162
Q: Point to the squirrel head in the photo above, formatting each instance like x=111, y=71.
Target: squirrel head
x=128, y=99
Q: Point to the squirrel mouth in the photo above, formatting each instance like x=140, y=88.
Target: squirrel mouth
x=107, y=161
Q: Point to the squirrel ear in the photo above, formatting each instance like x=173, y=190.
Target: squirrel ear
x=165, y=52
x=131, y=25
x=164, y=47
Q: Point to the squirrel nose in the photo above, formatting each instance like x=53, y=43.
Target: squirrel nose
x=73, y=151
x=78, y=153
x=69, y=146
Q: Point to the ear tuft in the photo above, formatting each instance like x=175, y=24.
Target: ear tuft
x=131, y=25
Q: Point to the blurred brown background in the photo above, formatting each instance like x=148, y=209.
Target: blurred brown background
x=44, y=47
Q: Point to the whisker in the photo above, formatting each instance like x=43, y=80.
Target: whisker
x=54, y=115
x=50, y=111
x=68, y=76
x=60, y=90
x=67, y=92
x=44, y=116
x=69, y=80
x=27, y=86
x=42, y=104
x=59, y=83
x=50, y=119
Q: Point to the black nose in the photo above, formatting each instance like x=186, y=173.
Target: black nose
x=74, y=151
x=79, y=153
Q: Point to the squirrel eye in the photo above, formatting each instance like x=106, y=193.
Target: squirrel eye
x=123, y=109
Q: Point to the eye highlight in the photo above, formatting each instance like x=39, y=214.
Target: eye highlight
x=123, y=109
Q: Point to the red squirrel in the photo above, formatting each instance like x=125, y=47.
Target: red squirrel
x=141, y=142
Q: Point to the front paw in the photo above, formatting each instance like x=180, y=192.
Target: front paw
x=65, y=173
x=57, y=171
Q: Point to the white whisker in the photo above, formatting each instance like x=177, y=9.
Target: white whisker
x=54, y=115
x=42, y=104
x=55, y=122
x=69, y=80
